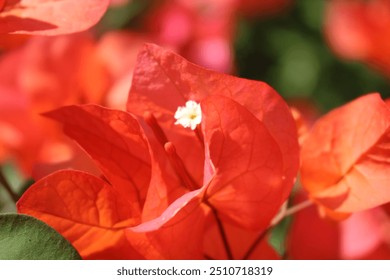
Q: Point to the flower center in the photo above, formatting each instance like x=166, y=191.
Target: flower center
x=189, y=115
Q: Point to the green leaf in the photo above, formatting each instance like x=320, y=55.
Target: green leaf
x=23, y=237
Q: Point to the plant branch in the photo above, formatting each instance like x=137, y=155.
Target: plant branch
x=285, y=212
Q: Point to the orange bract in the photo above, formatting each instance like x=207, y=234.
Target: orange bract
x=345, y=156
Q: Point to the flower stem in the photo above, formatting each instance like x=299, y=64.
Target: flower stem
x=290, y=211
x=7, y=186
x=221, y=231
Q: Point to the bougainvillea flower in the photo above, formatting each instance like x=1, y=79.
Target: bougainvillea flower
x=364, y=235
x=49, y=17
x=357, y=29
x=239, y=170
x=345, y=156
x=162, y=83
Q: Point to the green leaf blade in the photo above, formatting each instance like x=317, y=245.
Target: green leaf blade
x=23, y=237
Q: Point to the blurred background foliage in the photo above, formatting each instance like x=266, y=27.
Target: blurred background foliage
x=287, y=50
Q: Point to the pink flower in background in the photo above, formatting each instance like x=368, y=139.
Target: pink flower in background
x=203, y=31
x=358, y=30
x=364, y=235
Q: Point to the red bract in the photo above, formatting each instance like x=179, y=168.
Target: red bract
x=86, y=210
x=98, y=131
x=358, y=29
x=246, y=179
x=345, y=156
x=234, y=172
x=244, y=156
x=49, y=17
x=163, y=81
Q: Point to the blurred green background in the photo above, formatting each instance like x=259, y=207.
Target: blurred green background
x=289, y=52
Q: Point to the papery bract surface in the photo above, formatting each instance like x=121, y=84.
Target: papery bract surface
x=86, y=210
x=163, y=81
x=345, y=156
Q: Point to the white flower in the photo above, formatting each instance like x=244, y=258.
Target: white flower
x=189, y=115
